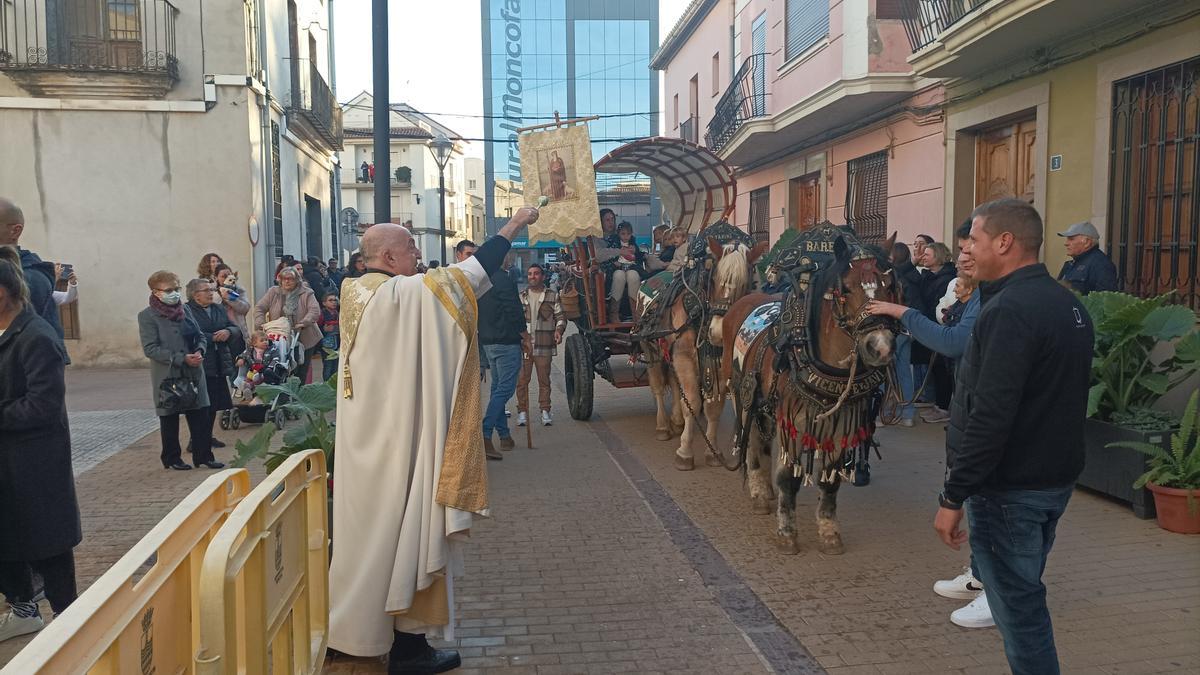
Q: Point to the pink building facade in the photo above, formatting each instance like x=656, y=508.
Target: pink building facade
x=814, y=104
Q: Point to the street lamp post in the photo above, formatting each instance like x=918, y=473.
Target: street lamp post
x=441, y=147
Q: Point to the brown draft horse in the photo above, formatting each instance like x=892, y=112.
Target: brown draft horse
x=846, y=338
x=680, y=368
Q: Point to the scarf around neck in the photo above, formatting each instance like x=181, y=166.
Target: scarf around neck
x=172, y=312
x=291, y=301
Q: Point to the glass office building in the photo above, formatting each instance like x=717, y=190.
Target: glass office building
x=579, y=58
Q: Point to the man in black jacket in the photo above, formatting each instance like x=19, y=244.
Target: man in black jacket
x=1089, y=269
x=1014, y=446
x=39, y=275
x=504, y=339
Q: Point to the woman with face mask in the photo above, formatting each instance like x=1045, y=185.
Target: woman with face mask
x=175, y=345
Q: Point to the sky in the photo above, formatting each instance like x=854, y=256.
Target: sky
x=436, y=58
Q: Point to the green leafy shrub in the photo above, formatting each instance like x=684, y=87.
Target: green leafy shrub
x=310, y=403
x=1128, y=329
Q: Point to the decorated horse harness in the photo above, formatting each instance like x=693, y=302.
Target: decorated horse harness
x=693, y=283
x=831, y=407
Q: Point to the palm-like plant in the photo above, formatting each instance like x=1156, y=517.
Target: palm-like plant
x=1179, y=468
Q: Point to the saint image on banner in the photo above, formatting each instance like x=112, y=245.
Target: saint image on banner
x=556, y=173
x=557, y=165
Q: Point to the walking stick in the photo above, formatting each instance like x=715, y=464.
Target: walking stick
x=528, y=417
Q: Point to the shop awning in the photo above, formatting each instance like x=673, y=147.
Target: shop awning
x=697, y=189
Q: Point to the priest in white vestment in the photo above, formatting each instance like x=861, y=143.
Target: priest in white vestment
x=409, y=470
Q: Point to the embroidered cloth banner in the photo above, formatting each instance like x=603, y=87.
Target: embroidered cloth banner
x=557, y=164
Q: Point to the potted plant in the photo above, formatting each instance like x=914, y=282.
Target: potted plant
x=310, y=404
x=1174, y=473
x=1127, y=381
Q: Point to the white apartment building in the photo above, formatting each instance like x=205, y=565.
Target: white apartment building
x=139, y=135
x=414, y=180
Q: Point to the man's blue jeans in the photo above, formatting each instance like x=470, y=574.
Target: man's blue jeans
x=904, y=375
x=505, y=362
x=1011, y=534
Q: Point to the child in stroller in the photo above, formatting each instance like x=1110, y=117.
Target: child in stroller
x=270, y=358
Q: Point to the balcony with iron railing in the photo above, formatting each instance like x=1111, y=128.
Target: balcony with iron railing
x=744, y=99
x=925, y=20
x=101, y=48
x=689, y=129
x=314, y=105
x=965, y=38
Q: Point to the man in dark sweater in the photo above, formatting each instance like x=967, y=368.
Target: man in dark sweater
x=504, y=339
x=1014, y=446
x=1089, y=269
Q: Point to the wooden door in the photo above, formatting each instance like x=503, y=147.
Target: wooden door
x=805, y=201
x=1004, y=162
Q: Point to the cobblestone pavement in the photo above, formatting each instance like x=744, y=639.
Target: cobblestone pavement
x=602, y=558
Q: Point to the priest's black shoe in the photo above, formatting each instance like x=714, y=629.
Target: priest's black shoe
x=216, y=443
x=429, y=662
x=211, y=465
x=411, y=654
x=178, y=466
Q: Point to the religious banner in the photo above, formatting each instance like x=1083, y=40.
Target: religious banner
x=556, y=167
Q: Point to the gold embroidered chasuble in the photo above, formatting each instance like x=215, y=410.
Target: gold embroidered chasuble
x=409, y=468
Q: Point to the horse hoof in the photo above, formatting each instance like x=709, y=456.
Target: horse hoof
x=760, y=506
x=684, y=463
x=787, y=544
x=662, y=435
x=832, y=546
x=712, y=460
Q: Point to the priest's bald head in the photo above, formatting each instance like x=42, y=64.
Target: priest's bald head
x=390, y=248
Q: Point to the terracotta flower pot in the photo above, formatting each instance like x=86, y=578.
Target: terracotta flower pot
x=1172, y=507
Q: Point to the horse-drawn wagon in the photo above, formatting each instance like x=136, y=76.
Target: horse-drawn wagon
x=696, y=190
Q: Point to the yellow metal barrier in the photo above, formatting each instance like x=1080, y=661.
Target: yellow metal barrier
x=264, y=595
x=135, y=619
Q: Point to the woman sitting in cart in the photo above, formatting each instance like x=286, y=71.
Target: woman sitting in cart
x=628, y=269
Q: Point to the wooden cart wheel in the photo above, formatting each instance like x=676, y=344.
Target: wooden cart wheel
x=235, y=420
x=279, y=417
x=577, y=367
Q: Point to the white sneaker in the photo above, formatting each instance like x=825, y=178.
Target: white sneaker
x=521, y=419
x=12, y=626
x=936, y=415
x=975, y=615
x=962, y=587
x=546, y=421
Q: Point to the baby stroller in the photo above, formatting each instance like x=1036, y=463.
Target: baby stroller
x=279, y=362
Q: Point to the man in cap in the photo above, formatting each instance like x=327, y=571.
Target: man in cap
x=1089, y=269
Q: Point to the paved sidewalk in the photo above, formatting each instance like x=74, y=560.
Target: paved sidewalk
x=602, y=558
x=1124, y=594
x=576, y=574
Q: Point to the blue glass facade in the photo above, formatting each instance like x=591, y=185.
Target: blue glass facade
x=579, y=58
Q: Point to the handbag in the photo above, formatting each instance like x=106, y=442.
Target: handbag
x=177, y=394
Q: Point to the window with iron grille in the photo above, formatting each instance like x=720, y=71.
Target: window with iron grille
x=866, y=196
x=276, y=195
x=807, y=21
x=760, y=214
x=1154, y=161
